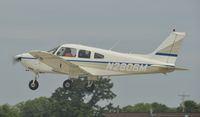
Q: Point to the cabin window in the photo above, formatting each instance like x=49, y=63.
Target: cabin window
x=67, y=52
x=98, y=56
x=84, y=54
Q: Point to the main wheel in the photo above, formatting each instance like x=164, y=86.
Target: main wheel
x=33, y=85
x=67, y=84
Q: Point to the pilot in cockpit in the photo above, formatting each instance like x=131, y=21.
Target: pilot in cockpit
x=68, y=53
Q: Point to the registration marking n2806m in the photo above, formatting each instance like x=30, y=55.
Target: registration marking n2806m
x=115, y=66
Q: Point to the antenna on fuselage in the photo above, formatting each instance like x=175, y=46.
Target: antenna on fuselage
x=116, y=43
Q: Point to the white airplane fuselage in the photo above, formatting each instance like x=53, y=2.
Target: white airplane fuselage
x=78, y=61
x=113, y=64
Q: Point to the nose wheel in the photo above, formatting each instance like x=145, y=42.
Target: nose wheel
x=33, y=84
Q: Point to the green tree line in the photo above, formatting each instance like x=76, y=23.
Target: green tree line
x=79, y=102
x=190, y=106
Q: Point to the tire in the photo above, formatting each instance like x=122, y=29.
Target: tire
x=33, y=86
x=67, y=84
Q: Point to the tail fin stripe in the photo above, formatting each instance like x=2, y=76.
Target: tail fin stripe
x=166, y=54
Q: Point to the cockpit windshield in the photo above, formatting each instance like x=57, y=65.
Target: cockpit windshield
x=52, y=51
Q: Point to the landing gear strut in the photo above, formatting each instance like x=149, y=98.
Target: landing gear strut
x=33, y=84
x=90, y=86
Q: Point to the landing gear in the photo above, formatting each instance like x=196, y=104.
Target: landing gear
x=90, y=86
x=67, y=84
x=33, y=84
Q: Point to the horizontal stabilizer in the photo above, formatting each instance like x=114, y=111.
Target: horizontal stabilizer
x=181, y=69
x=169, y=67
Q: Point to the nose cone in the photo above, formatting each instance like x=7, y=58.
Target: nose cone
x=17, y=58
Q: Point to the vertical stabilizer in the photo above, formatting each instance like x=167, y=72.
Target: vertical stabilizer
x=168, y=51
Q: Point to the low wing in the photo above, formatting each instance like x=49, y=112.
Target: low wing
x=58, y=64
x=66, y=67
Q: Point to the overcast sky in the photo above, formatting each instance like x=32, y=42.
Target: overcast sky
x=139, y=25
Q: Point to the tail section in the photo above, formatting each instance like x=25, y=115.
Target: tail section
x=168, y=51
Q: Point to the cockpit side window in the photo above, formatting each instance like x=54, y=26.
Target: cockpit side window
x=84, y=54
x=61, y=51
x=67, y=52
x=98, y=56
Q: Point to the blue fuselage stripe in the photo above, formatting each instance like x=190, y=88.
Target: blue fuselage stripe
x=88, y=61
x=27, y=58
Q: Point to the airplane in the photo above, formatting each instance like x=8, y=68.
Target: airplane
x=79, y=61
